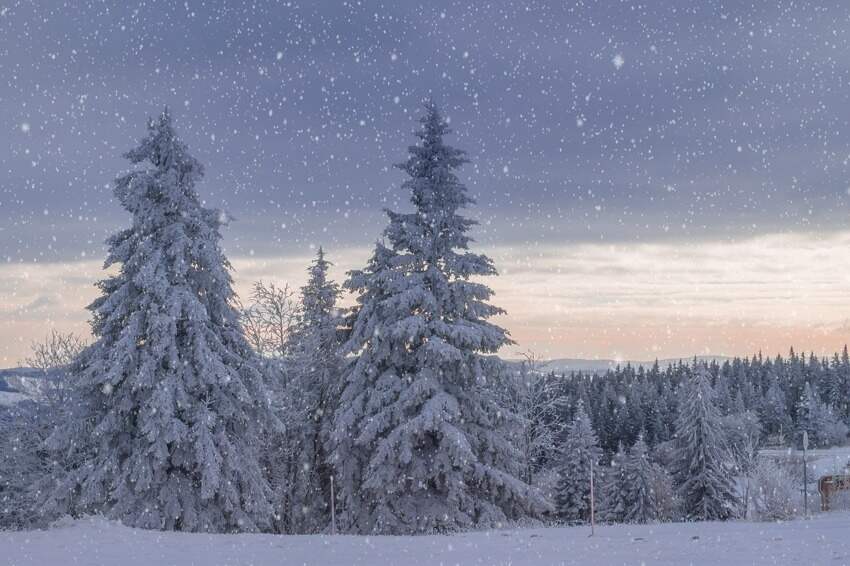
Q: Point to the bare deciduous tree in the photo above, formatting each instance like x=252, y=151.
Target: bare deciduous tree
x=56, y=350
x=270, y=318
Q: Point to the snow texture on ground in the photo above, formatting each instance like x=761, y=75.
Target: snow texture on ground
x=94, y=542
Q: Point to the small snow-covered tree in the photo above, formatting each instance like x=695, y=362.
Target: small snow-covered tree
x=743, y=432
x=613, y=492
x=169, y=408
x=581, y=447
x=418, y=445
x=644, y=486
x=702, y=463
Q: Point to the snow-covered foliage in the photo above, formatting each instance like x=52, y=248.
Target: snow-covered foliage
x=269, y=319
x=648, y=488
x=306, y=396
x=23, y=464
x=773, y=412
x=26, y=466
x=580, y=449
x=775, y=491
x=629, y=400
x=536, y=401
x=417, y=443
x=169, y=407
x=57, y=350
x=613, y=504
x=703, y=468
x=744, y=432
x=635, y=489
x=818, y=420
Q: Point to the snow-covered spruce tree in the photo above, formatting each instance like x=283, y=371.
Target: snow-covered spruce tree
x=169, y=408
x=418, y=443
x=314, y=367
x=809, y=416
x=641, y=478
x=572, y=493
x=613, y=504
x=773, y=411
x=818, y=420
x=703, y=469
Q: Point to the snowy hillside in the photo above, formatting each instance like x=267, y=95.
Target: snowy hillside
x=17, y=384
x=95, y=542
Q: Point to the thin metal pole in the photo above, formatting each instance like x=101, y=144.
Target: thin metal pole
x=592, y=510
x=333, y=508
x=805, y=486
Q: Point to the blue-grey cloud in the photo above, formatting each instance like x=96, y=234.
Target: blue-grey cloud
x=585, y=121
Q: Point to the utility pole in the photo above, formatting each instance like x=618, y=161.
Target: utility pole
x=592, y=517
x=805, y=475
x=333, y=508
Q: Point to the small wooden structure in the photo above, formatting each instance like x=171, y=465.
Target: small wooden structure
x=828, y=485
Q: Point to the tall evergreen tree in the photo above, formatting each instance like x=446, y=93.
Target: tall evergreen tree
x=418, y=441
x=311, y=396
x=702, y=461
x=572, y=492
x=169, y=408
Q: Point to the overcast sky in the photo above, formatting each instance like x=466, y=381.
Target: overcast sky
x=653, y=178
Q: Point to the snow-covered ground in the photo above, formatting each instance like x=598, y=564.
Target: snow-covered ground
x=92, y=542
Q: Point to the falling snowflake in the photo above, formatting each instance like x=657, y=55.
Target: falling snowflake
x=618, y=61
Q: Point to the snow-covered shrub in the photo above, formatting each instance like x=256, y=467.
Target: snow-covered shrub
x=25, y=464
x=776, y=491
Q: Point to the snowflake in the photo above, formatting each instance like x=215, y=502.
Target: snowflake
x=618, y=61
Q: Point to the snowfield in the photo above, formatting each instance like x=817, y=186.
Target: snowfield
x=822, y=540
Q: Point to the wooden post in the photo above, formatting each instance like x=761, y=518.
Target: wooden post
x=805, y=475
x=592, y=510
x=333, y=508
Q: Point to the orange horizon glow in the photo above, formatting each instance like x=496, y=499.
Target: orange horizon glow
x=626, y=301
